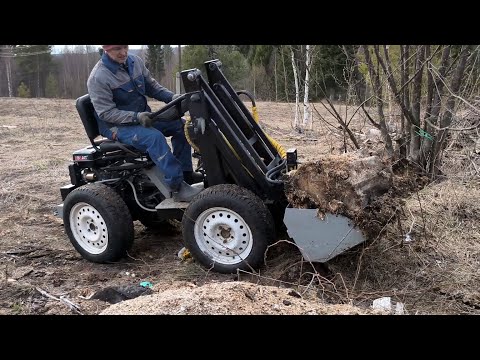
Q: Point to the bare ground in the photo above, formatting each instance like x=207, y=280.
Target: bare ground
x=428, y=259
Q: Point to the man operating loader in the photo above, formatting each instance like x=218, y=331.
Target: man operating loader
x=118, y=86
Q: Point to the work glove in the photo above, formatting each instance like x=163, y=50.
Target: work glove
x=176, y=96
x=144, y=118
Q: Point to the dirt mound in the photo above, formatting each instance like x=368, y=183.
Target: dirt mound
x=229, y=298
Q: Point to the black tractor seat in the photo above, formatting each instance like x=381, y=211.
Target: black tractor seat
x=87, y=114
x=106, y=145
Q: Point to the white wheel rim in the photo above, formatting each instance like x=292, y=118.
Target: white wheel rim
x=88, y=228
x=223, y=235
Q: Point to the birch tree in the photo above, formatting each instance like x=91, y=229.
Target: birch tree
x=306, y=104
x=6, y=55
x=9, y=76
x=297, y=90
x=285, y=75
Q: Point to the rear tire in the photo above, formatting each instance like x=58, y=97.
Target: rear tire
x=98, y=223
x=227, y=227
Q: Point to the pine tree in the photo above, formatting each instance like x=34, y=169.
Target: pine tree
x=151, y=59
x=235, y=65
x=169, y=65
x=23, y=90
x=155, y=61
x=51, y=88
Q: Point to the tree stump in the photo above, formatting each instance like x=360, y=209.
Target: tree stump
x=348, y=184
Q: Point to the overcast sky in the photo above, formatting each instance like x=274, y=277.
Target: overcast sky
x=59, y=48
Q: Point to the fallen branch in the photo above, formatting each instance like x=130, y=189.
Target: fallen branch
x=19, y=252
x=474, y=165
x=450, y=128
x=62, y=299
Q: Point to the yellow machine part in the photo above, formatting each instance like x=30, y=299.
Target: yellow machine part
x=274, y=143
x=188, y=119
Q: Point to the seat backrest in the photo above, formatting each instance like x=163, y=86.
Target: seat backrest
x=87, y=114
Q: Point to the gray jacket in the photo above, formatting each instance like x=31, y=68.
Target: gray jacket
x=118, y=95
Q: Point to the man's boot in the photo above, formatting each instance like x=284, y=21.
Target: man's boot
x=192, y=177
x=186, y=192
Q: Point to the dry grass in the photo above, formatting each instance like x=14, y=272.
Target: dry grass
x=434, y=273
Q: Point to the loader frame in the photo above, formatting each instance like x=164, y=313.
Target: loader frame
x=233, y=147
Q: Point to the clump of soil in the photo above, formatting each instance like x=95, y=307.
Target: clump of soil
x=367, y=190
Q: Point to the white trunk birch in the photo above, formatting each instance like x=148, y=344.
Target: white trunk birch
x=285, y=76
x=9, y=77
x=297, y=90
x=306, y=104
x=7, y=53
x=38, y=76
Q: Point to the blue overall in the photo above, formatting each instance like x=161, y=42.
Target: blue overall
x=118, y=93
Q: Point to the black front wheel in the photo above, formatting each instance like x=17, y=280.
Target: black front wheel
x=98, y=223
x=227, y=227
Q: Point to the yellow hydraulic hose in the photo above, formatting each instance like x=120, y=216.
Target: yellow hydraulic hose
x=276, y=145
x=188, y=119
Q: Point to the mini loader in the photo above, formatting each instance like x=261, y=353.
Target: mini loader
x=231, y=222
